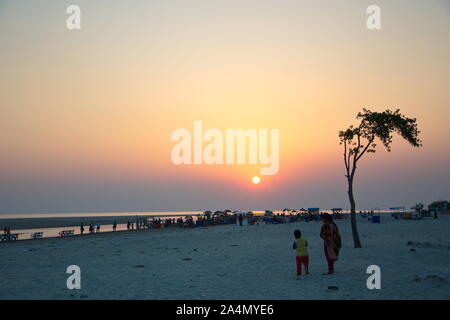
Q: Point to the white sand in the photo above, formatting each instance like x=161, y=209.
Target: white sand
x=230, y=262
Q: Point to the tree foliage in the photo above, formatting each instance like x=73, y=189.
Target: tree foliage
x=376, y=125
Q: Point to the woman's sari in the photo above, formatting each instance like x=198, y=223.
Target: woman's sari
x=332, y=240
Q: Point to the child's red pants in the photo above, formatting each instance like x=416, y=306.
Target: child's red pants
x=300, y=261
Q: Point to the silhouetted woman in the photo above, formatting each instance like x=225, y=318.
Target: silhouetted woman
x=331, y=241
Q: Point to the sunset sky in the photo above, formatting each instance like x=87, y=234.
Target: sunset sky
x=87, y=115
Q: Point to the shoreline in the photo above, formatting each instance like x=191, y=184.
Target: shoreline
x=87, y=235
x=61, y=222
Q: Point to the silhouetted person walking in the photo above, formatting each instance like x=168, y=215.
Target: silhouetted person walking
x=331, y=241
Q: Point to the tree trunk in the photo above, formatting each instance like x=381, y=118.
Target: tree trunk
x=356, y=240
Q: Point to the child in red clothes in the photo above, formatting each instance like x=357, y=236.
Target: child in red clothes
x=302, y=257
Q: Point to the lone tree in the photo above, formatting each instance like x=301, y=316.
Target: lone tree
x=360, y=140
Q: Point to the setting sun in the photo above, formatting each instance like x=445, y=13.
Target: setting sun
x=256, y=179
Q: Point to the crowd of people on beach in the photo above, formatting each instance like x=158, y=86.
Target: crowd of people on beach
x=143, y=223
x=206, y=219
x=157, y=222
x=209, y=218
x=95, y=228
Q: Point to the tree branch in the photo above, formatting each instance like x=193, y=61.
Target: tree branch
x=345, y=157
x=369, y=143
x=348, y=161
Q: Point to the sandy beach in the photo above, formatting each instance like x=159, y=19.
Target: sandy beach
x=232, y=262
